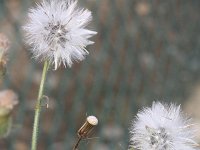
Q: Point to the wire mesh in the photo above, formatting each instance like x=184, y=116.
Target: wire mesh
x=144, y=51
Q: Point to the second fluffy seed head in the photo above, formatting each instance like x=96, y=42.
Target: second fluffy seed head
x=162, y=127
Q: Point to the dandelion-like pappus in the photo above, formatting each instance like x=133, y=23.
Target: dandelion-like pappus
x=57, y=32
x=162, y=127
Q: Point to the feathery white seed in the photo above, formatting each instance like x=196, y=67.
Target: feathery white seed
x=57, y=32
x=162, y=127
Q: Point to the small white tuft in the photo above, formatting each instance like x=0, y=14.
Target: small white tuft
x=56, y=31
x=162, y=127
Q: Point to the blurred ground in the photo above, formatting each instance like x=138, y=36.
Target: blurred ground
x=144, y=51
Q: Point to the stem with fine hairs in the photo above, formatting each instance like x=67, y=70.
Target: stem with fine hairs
x=38, y=107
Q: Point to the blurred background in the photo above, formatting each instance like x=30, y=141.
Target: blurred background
x=145, y=50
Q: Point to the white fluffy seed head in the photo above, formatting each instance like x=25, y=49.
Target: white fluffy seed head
x=162, y=127
x=57, y=32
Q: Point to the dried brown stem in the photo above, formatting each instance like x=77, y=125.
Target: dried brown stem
x=77, y=143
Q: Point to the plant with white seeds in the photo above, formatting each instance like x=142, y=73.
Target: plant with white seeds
x=56, y=31
x=162, y=127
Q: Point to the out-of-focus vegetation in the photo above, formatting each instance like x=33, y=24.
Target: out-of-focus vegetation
x=144, y=51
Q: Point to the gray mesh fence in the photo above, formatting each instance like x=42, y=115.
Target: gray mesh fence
x=144, y=51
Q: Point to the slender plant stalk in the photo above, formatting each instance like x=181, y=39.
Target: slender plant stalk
x=77, y=143
x=38, y=107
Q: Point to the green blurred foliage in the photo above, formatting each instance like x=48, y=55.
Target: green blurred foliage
x=144, y=51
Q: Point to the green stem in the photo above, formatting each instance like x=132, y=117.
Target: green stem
x=38, y=108
x=1, y=54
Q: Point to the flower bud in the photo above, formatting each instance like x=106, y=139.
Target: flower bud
x=91, y=122
x=5, y=123
x=8, y=99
